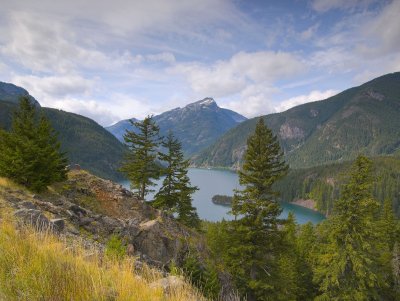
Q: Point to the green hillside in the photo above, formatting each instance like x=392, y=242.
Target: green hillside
x=323, y=183
x=363, y=119
x=86, y=142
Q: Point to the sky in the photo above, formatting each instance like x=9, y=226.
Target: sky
x=113, y=60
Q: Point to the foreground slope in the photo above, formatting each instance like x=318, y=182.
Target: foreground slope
x=196, y=125
x=64, y=257
x=85, y=142
x=363, y=119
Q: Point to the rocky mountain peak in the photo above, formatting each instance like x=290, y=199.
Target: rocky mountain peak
x=206, y=102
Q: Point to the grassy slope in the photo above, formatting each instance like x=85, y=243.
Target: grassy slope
x=41, y=266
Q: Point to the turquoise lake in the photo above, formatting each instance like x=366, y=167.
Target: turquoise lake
x=211, y=182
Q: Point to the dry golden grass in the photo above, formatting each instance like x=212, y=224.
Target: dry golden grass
x=7, y=183
x=40, y=266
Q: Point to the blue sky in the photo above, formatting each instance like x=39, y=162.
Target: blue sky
x=113, y=60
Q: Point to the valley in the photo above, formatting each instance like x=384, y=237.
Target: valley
x=186, y=239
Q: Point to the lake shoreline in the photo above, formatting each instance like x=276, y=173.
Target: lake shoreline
x=308, y=203
x=213, y=182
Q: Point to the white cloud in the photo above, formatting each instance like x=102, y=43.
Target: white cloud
x=225, y=78
x=254, y=100
x=309, y=32
x=48, y=45
x=165, y=57
x=106, y=113
x=382, y=33
x=75, y=94
x=125, y=17
x=366, y=43
x=326, y=5
x=54, y=86
x=298, y=100
x=87, y=107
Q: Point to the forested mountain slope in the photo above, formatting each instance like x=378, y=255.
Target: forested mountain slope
x=323, y=183
x=86, y=142
x=364, y=119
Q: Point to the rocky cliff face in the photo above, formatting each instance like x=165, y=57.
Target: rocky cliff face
x=94, y=209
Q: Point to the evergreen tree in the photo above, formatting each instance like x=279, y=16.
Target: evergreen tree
x=30, y=151
x=386, y=227
x=140, y=163
x=263, y=166
x=387, y=224
x=176, y=190
x=288, y=263
x=348, y=268
x=167, y=196
x=396, y=269
x=187, y=214
x=306, y=249
x=256, y=238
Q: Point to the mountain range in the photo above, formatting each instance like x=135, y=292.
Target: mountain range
x=85, y=142
x=363, y=119
x=196, y=125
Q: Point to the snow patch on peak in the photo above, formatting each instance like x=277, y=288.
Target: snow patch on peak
x=207, y=101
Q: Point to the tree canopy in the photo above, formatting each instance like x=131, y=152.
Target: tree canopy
x=140, y=162
x=30, y=152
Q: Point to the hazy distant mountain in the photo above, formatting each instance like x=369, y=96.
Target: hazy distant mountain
x=119, y=129
x=86, y=142
x=12, y=93
x=197, y=125
x=364, y=119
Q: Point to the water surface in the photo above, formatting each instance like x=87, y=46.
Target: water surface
x=211, y=182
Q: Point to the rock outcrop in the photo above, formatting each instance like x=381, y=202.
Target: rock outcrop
x=95, y=209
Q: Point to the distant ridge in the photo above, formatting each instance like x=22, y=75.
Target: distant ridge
x=363, y=119
x=12, y=93
x=196, y=125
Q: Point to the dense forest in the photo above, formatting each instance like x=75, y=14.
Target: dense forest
x=323, y=183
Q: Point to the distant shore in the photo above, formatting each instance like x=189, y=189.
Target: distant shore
x=308, y=203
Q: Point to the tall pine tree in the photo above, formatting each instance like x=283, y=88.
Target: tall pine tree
x=140, y=163
x=255, y=234
x=187, y=214
x=176, y=190
x=348, y=266
x=167, y=196
x=30, y=152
